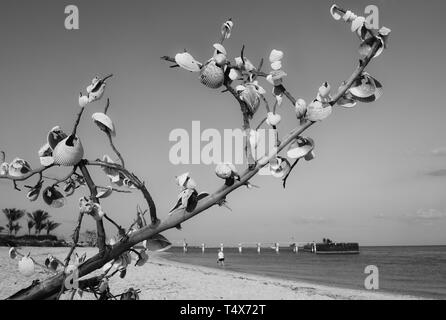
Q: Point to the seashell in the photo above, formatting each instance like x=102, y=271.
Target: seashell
x=226, y=29
x=55, y=136
x=279, y=100
x=34, y=193
x=187, y=62
x=105, y=193
x=219, y=49
x=300, y=108
x=276, y=65
x=273, y=119
x=357, y=23
x=270, y=79
x=220, y=59
x=366, y=89
x=104, y=123
x=181, y=180
x=334, y=13
x=143, y=258
x=211, y=75
x=4, y=169
x=366, y=47
x=26, y=266
x=83, y=101
x=316, y=111
x=276, y=76
x=324, y=90
x=68, y=152
x=248, y=66
x=280, y=167
x=12, y=253
x=349, y=16
x=300, y=147
x=225, y=170
x=310, y=156
x=18, y=167
x=275, y=55
x=97, y=89
x=46, y=155
x=157, y=243
x=347, y=101
x=234, y=75
x=52, y=197
x=191, y=184
x=251, y=96
x=69, y=188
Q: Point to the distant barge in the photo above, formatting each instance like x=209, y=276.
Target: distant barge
x=329, y=247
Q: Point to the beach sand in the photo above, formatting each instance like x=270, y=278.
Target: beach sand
x=162, y=279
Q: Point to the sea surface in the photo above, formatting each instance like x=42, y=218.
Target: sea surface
x=417, y=271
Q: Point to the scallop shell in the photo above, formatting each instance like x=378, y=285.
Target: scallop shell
x=187, y=62
x=68, y=155
x=366, y=89
x=55, y=136
x=26, y=266
x=52, y=197
x=104, y=122
x=220, y=49
x=223, y=171
x=300, y=148
x=105, y=193
x=316, y=111
x=212, y=76
x=18, y=167
x=275, y=55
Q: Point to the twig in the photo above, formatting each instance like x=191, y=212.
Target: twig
x=78, y=119
x=289, y=172
x=110, y=139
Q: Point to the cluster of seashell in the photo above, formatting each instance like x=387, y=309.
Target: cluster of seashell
x=364, y=31
x=95, y=91
x=276, y=75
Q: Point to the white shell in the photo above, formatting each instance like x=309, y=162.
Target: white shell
x=223, y=171
x=211, y=75
x=357, y=23
x=218, y=47
x=334, y=14
x=83, y=101
x=269, y=78
x=275, y=55
x=276, y=65
x=277, y=75
x=300, y=108
x=220, y=59
x=299, y=149
x=12, y=253
x=234, y=75
x=181, y=180
x=316, y=111
x=324, y=90
x=66, y=155
x=4, y=169
x=187, y=62
x=105, y=120
x=26, y=266
x=104, y=193
x=18, y=167
x=226, y=29
x=273, y=119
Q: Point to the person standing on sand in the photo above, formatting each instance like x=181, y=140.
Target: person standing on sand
x=221, y=258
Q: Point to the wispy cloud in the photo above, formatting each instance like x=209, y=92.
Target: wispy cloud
x=423, y=216
x=437, y=173
x=310, y=220
x=439, y=152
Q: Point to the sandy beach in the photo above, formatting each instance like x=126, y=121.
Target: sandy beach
x=162, y=279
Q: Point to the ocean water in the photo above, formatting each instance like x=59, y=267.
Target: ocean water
x=416, y=271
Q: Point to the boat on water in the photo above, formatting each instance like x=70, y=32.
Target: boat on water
x=329, y=247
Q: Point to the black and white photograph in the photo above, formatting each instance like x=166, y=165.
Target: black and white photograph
x=240, y=152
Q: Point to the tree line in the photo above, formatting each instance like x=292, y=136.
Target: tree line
x=39, y=220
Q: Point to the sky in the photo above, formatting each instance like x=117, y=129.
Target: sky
x=380, y=173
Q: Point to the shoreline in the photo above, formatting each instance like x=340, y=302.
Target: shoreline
x=163, y=279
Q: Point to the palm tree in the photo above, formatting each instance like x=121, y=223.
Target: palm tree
x=39, y=217
x=16, y=228
x=31, y=225
x=12, y=215
x=50, y=226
